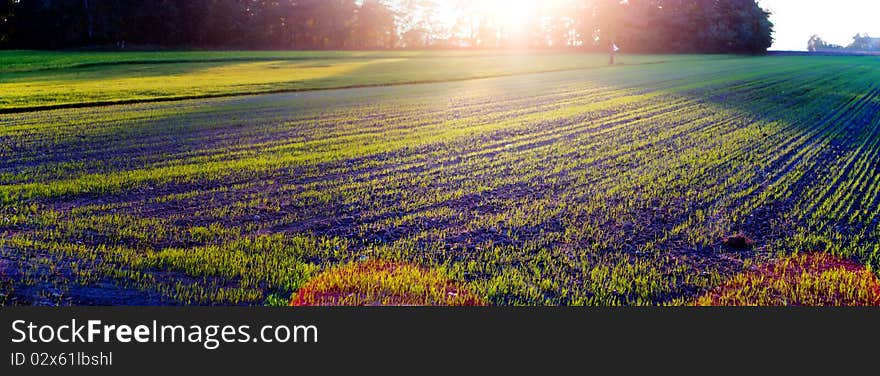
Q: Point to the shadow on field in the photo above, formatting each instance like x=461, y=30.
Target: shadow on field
x=830, y=103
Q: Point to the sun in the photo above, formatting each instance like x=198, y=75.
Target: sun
x=510, y=13
x=504, y=13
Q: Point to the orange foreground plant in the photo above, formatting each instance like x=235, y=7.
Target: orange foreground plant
x=816, y=279
x=380, y=282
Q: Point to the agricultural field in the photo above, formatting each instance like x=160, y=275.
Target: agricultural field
x=661, y=181
x=31, y=80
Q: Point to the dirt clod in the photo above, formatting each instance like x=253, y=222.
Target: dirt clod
x=739, y=241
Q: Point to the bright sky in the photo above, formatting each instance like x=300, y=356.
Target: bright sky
x=836, y=21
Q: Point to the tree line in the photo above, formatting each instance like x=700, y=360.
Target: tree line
x=714, y=26
x=860, y=43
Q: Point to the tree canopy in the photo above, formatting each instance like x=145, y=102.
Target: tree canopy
x=739, y=26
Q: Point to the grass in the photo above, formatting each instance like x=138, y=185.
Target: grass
x=30, y=79
x=379, y=282
x=803, y=279
x=612, y=186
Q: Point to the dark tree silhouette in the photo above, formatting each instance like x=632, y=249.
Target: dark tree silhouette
x=737, y=26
